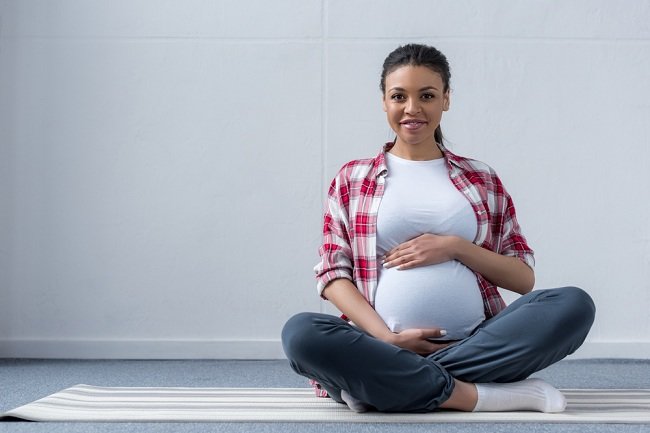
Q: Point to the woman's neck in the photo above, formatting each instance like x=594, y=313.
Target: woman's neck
x=416, y=152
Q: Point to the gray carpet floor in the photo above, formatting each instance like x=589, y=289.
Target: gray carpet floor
x=24, y=380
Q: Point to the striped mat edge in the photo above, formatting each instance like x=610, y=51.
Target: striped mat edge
x=88, y=403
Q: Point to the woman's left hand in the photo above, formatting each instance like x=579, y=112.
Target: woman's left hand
x=426, y=249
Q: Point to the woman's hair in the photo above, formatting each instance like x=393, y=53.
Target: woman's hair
x=418, y=55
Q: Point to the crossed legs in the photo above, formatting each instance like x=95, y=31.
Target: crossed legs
x=535, y=331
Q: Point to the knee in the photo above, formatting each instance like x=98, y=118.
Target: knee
x=299, y=335
x=578, y=307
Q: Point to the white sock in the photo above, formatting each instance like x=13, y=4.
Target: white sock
x=354, y=404
x=529, y=394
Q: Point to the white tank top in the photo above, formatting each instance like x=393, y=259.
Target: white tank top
x=420, y=198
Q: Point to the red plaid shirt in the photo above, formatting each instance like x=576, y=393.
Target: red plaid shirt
x=350, y=226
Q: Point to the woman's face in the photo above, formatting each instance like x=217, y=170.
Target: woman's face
x=414, y=101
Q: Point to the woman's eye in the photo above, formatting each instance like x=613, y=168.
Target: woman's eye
x=396, y=97
x=428, y=96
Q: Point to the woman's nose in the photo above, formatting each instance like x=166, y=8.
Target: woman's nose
x=413, y=106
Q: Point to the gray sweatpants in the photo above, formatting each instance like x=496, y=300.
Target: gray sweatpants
x=537, y=330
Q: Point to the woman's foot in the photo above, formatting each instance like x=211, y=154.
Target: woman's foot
x=530, y=394
x=354, y=404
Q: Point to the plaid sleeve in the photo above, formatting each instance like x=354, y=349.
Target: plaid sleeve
x=335, y=251
x=318, y=389
x=512, y=241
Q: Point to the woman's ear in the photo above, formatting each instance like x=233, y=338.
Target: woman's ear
x=383, y=103
x=445, y=102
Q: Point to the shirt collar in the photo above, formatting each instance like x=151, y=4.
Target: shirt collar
x=382, y=168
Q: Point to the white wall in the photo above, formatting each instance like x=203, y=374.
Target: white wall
x=163, y=164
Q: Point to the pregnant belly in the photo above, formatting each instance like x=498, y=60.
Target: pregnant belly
x=443, y=296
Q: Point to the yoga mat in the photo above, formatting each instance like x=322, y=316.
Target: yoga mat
x=115, y=404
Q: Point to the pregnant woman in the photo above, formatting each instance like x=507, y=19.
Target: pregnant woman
x=415, y=243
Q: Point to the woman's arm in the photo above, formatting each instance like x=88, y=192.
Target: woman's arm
x=504, y=271
x=345, y=296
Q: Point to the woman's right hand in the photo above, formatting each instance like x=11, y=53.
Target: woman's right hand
x=418, y=340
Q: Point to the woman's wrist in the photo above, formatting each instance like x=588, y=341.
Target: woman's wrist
x=388, y=337
x=392, y=338
x=456, y=247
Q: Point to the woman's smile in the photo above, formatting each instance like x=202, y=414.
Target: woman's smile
x=413, y=125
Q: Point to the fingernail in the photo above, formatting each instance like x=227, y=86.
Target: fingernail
x=385, y=265
x=443, y=332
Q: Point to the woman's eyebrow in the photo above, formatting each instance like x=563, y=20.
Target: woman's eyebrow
x=400, y=89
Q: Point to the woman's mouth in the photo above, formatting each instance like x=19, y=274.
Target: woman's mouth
x=413, y=125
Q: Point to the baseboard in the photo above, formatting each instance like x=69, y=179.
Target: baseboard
x=231, y=349
x=142, y=349
x=613, y=349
